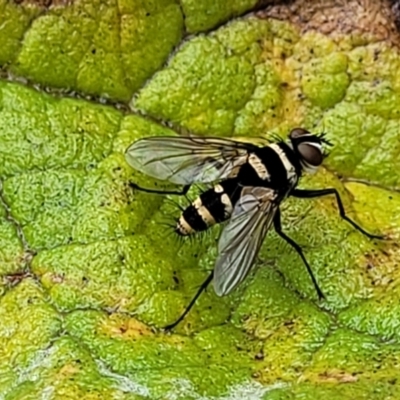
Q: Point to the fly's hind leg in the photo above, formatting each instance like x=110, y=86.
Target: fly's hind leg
x=182, y=192
x=309, y=194
x=278, y=229
x=191, y=304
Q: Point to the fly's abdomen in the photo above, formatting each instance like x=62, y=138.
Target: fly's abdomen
x=210, y=208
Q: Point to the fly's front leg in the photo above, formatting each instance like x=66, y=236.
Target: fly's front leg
x=182, y=192
x=278, y=229
x=309, y=194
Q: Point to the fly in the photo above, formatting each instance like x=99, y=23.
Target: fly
x=250, y=184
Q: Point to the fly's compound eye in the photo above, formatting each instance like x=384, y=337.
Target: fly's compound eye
x=311, y=153
x=308, y=147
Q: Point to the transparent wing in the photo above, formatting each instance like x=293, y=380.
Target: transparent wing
x=185, y=160
x=242, y=238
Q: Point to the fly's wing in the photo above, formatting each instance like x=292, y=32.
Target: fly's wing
x=185, y=160
x=242, y=238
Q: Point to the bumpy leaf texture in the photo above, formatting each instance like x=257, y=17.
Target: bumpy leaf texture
x=89, y=272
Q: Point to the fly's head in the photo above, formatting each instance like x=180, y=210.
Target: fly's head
x=309, y=148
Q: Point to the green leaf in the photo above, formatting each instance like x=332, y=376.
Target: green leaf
x=91, y=269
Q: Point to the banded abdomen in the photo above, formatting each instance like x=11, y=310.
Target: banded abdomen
x=211, y=207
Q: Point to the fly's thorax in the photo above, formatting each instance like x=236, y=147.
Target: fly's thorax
x=288, y=162
x=211, y=207
x=274, y=166
x=259, y=167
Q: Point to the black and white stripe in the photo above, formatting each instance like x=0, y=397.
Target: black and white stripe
x=274, y=166
x=213, y=206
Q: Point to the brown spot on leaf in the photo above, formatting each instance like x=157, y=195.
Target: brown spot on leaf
x=380, y=268
x=67, y=370
x=124, y=327
x=396, y=12
x=15, y=278
x=337, y=376
x=57, y=278
x=330, y=17
x=45, y=3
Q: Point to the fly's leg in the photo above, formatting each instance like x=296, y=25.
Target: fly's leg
x=278, y=229
x=182, y=192
x=191, y=304
x=309, y=194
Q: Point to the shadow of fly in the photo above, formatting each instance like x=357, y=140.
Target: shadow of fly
x=250, y=184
